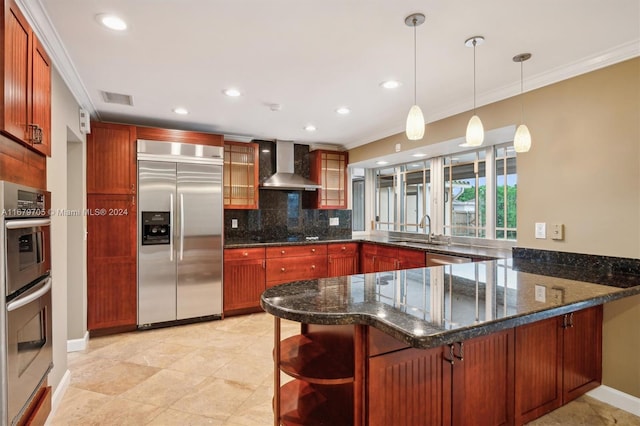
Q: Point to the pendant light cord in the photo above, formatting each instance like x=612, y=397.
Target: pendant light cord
x=474, y=77
x=415, y=66
x=521, y=92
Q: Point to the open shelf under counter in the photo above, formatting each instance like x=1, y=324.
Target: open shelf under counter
x=303, y=403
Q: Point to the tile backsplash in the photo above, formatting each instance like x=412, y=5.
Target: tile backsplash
x=282, y=218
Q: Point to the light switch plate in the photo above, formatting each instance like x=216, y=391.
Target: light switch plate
x=541, y=230
x=334, y=221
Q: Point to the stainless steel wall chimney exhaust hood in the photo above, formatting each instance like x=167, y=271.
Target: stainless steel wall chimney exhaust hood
x=284, y=177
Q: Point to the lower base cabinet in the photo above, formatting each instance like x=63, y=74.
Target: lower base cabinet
x=558, y=359
x=244, y=280
x=361, y=376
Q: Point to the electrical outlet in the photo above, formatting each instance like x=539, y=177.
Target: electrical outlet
x=541, y=293
x=334, y=221
x=541, y=230
x=398, y=147
x=234, y=223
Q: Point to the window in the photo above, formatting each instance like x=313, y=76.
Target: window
x=474, y=195
x=465, y=195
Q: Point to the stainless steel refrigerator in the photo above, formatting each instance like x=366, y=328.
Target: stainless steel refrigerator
x=180, y=218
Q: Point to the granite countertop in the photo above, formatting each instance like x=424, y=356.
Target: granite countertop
x=429, y=307
x=475, y=252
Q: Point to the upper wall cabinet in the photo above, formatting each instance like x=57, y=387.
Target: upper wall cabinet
x=329, y=169
x=26, y=71
x=111, y=159
x=240, y=175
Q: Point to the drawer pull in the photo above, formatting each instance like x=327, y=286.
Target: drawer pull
x=313, y=266
x=282, y=269
x=313, y=250
x=245, y=254
x=344, y=248
x=282, y=252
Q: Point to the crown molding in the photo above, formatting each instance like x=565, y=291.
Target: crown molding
x=36, y=14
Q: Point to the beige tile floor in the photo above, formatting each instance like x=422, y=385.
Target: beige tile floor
x=214, y=373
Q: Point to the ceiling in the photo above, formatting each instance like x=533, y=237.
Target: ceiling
x=311, y=57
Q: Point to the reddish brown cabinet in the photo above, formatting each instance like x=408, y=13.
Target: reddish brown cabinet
x=244, y=279
x=111, y=261
x=329, y=169
x=342, y=259
x=26, y=114
x=380, y=258
x=111, y=159
x=559, y=359
x=111, y=226
x=293, y=263
x=240, y=175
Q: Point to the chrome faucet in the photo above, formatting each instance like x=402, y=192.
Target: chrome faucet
x=423, y=225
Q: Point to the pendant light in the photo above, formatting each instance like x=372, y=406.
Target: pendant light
x=475, y=130
x=522, y=139
x=415, y=119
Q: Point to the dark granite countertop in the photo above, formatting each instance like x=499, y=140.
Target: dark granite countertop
x=475, y=252
x=429, y=307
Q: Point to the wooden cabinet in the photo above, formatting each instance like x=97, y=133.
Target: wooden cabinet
x=329, y=169
x=111, y=261
x=322, y=362
x=293, y=263
x=111, y=159
x=244, y=280
x=240, y=175
x=559, y=359
x=342, y=259
x=380, y=258
x=482, y=385
x=39, y=408
x=408, y=387
x=111, y=226
x=26, y=115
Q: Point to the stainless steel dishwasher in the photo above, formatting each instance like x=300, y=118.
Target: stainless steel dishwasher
x=437, y=259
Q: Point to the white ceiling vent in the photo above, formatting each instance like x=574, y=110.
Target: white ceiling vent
x=117, y=98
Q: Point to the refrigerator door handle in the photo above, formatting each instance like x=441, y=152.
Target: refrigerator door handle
x=171, y=228
x=181, y=226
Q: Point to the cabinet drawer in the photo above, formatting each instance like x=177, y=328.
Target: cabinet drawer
x=300, y=268
x=244, y=253
x=291, y=251
x=417, y=257
x=346, y=248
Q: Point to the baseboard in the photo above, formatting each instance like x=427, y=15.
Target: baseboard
x=76, y=345
x=58, y=394
x=618, y=399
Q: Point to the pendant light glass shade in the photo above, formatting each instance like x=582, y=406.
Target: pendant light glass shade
x=415, y=120
x=475, y=132
x=522, y=140
x=415, y=124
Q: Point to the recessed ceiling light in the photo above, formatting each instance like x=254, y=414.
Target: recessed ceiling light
x=390, y=84
x=343, y=110
x=382, y=162
x=112, y=22
x=181, y=111
x=419, y=155
x=310, y=128
x=234, y=93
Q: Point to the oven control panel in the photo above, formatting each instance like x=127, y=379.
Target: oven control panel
x=28, y=200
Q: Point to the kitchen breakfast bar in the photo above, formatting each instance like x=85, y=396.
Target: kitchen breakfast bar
x=488, y=343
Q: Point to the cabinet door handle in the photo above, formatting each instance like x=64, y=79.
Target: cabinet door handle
x=451, y=359
x=571, y=320
x=460, y=355
x=36, y=134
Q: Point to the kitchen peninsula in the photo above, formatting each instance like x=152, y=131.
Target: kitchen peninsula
x=475, y=343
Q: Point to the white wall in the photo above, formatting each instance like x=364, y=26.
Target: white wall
x=64, y=125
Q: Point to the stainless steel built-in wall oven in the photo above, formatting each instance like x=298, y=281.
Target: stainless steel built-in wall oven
x=26, y=290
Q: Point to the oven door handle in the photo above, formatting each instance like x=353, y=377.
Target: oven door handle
x=26, y=223
x=21, y=301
